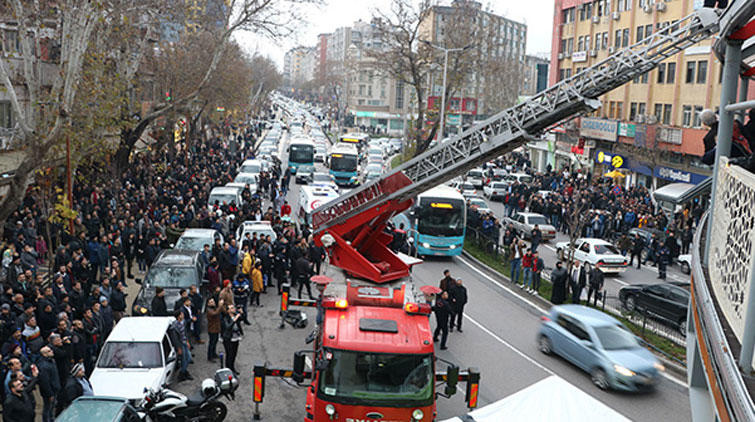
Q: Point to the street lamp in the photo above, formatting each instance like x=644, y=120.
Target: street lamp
x=445, y=71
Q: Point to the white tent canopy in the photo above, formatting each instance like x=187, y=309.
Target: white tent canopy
x=551, y=399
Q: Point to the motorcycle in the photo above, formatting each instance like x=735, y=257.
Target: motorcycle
x=166, y=405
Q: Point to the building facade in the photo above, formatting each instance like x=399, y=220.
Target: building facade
x=535, y=74
x=652, y=123
x=299, y=65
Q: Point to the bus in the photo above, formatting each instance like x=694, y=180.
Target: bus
x=344, y=164
x=358, y=139
x=301, y=152
x=437, y=222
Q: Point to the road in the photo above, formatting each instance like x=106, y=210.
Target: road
x=498, y=338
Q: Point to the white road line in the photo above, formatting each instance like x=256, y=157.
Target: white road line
x=623, y=283
x=510, y=346
x=549, y=247
x=672, y=379
x=525, y=300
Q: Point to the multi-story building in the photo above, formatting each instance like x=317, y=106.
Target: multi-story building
x=298, y=65
x=535, y=74
x=653, y=122
x=322, y=55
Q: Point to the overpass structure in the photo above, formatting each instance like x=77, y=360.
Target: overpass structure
x=721, y=319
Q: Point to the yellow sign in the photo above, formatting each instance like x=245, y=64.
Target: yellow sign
x=337, y=155
x=601, y=156
x=441, y=205
x=350, y=140
x=617, y=161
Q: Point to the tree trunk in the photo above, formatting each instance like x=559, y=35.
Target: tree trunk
x=16, y=189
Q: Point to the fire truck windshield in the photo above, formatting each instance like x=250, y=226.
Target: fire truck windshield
x=376, y=379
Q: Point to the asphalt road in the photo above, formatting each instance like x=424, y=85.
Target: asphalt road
x=498, y=338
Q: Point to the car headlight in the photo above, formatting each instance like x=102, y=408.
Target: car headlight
x=623, y=371
x=659, y=366
x=426, y=245
x=330, y=409
x=418, y=414
x=452, y=247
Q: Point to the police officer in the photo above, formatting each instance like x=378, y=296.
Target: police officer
x=241, y=290
x=664, y=256
x=316, y=256
x=458, y=296
x=442, y=309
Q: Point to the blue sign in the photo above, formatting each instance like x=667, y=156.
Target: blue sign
x=611, y=160
x=678, y=176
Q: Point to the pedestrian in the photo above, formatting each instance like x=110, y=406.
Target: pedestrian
x=118, y=301
x=536, y=237
x=442, y=309
x=232, y=334
x=447, y=281
x=537, y=269
x=580, y=282
x=316, y=256
x=257, y=284
x=76, y=386
x=517, y=252
x=458, y=297
x=226, y=296
x=19, y=405
x=527, y=267
x=303, y=273
x=663, y=260
x=596, y=285
x=638, y=245
x=49, y=383
x=559, y=278
x=158, y=305
x=178, y=337
x=212, y=314
x=241, y=291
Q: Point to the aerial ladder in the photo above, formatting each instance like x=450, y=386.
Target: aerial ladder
x=352, y=226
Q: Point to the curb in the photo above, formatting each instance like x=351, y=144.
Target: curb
x=671, y=367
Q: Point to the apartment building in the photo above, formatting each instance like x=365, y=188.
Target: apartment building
x=653, y=122
x=299, y=64
x=535, y=74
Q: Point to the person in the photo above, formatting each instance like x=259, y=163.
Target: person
x=232, y=334
x=536, y=237
x=19, y=406
x=517, y=252
x=213, y=328
x=257, y=285
x=49, y=383
x=76, y=386
x=537, y=269
x=226, y=296
x=638, y=245
x=458, y=296
x=559, y=278
x=241, y=291
x=664, y=256
x=316, y=256
x=527, y=266
x=579, y=283
x=303, y=273
x=178, y=336
x=118, y=301
x=653, y=251
x=740, y=145
x=442, y=309
x=159, y=307
x=596, y=285
x=447, y=281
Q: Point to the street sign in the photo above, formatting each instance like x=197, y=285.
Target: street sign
x=220, y=109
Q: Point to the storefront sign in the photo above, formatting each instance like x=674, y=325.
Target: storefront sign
x=626, y=129
x=680, y=176
x=612, y=160
x=599, y=129
x=453, y=120
x=365, y=114
x=579, y=56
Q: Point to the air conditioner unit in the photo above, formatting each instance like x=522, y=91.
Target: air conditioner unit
x=593, y=53
x=639, y=118
x=611, y=50
x=596, y=19
x=615, y=16
x=648, y=8
x=560, y=56
x=660, y=6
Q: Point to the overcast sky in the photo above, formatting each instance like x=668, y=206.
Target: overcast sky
x=537, y=14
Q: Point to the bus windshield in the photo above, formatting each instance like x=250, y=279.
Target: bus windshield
x=441, y=217
x=378, y=379
x=343, y=162
x=302, y=154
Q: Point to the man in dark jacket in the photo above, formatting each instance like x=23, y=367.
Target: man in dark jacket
x=158, y=306
x=118, y=301
x=559, y=278
x=49, y=383
x=19, y=405
x=303, y=273
x=447, y=281
x=638, y=245
x=316, y=256
x=596, y=285
x=442, y=309
x=76, y=386
x=458, y=296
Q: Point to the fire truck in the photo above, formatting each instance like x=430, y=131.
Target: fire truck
x=373, y=359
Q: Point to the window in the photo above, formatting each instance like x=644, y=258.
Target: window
x=696, y=116
x=648, y=30
x=632, y=111
x=580, y=43
x=568, y=15
x=12, y=42
x=6, y=115
x=667, y=114
x=639, y=33
x=620, y=110
x=562, y=48
x=658, y=111
x=617, y=38
x=625, y=37
x=399, y=95
x=166, y=348
x=570, y=45
x=361, y=90
x=587, y=42
x=661, y=73
x=573, y=327
x=702, y=71
x=641, y=109
x=686, y=116
x=605, y=40
x=690, y=78
x=670, y=73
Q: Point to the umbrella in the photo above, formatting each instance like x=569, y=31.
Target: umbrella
x=321, y=279
x=430, y=290
x=614, y=174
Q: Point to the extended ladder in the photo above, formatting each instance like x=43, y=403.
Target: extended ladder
x=355, y=222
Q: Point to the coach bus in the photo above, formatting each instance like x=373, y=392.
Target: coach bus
x=344, y=164
x=301, y=152
x=360, y=140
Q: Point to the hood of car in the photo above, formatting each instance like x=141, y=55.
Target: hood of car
x=637, y=360
x=126, y=383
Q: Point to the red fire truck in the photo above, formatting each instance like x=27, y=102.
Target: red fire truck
x=373, y=360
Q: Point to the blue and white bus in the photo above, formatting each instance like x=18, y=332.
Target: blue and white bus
x=437, y=222
x=344, y=164
x=360, y=140
x=301, y=152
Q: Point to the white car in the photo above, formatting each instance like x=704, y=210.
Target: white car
x=596, y=252
x=137, y=354
x=480, y=204
x=475, y=177
x=495, y=190
x=685, y=261
x=195, y=239
x=464, y=188
x=250, y=178
x=262, y=228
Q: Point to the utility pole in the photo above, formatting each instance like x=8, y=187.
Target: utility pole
x=445, y=72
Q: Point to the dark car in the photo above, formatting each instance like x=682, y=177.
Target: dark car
x=172, y=270
x=99, y=408
x=665, y=301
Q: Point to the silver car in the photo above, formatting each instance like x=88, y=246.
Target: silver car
x=524, y=223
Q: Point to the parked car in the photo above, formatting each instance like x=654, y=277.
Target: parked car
x=475, y=177
x=520, y=177
x=223, y=195
x=524, y=223
x=137, y=354
x=100, y=409
x=172, y=270
x=464, y=188
x=596, y=252
x=195, y=239
x=304, y=174
x=665, y=301
x=247, y=178
x=495, y=190
x=599, y=345
x=479, y=204
x=262, y=228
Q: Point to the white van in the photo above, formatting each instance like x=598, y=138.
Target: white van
x=223, y=194
x=520, y=177
x=137, y=354
x=311, y=198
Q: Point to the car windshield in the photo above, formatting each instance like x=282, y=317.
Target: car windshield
x=441, y=217
x=378, y=378
x=602, y=249
x=475, y=173
x=245, y=178
x=171, y=277
x=192, y=243
x=616, y=337
x=250, y=168
x=130, y=355
x=467, y=186
x=340, y=162
x=305, y=169
x=537, y=219
x=301, y=153
x=221, y=198
x=321, y=177
x=478, y=203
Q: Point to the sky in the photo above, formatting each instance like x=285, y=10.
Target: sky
x=537, y=14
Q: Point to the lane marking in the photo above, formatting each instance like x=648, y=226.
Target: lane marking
x=623, y=283
x=549, y=247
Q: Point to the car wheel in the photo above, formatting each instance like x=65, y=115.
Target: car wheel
x=685, y=268
x=544, y=345
x=599, y=378
x=630, y=304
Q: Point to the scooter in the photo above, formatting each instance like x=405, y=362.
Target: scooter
x=166, y=405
